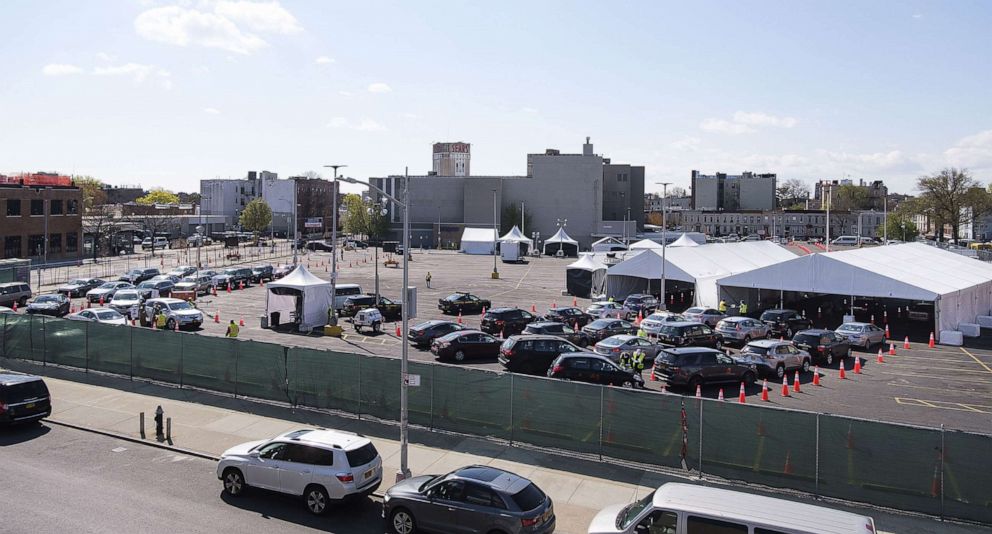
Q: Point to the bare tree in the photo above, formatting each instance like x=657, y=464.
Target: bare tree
x=154, y=225
x=792, y=191
x=102, y=224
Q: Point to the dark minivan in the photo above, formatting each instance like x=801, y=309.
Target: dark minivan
x=505, y=321
x=695, y=366
x=23, y=399
x=532, y=354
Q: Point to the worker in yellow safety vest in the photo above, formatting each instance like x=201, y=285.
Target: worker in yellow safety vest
x=160, y=320
x=232, y=329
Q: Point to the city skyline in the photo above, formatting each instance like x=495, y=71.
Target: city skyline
x=167, y=93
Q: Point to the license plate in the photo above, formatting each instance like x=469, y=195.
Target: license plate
x=29, y=405
x=368, y=474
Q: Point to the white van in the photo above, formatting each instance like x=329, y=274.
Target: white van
x=342, y=292
x=845, y=240
x=677, y=508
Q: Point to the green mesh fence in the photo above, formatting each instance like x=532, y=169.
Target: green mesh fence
x=324, y=379
x=65, y=343
x=642, y=427
x=3, y=333
x=156, y=354
x=380, y=392
x=420, y=397
x=261, y=371
x=108, y=348
x=558, y=414
x=207, y=362
x=471, y=401
x=24, y=337
x=967, y=471
x=880, y=463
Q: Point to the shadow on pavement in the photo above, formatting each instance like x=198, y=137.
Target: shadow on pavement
x=21, y=433
x=357, y=516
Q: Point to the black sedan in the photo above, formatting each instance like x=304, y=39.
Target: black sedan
x=79, y=286
x=423, y=334
x=558, y=330
x=823, y=345
x=593, y=368
x=462, y=302
x=55, y=305
x=570, y=316
x=465, y=344
x=601, y=329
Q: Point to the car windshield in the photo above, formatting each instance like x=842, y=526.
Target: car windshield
x=126, y=295
x=849, y=328
x=454, y=298
x=809, y=339
x=752, y=349
x=695, y=310
x=178, y=306
x=231, y=272
x=450, y=337
x=108, y=315
x=630, y=512
x=47, y=298
x=611, y=342
x=108, y=285
x=134, y=272
x=600, y=323
x=77, y=282
x=529, y=498
x=771, y=316
x=188, y=280
x=669, y=330
x=147, y=284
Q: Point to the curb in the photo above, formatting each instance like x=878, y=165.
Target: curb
x=132, y=439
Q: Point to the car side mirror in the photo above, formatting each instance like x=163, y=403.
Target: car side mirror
x=253, y=454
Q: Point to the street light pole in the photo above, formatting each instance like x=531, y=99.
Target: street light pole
x=296, y=224
x=829, y=201
x=664, y=239
x=333, y=319
x=495, y=237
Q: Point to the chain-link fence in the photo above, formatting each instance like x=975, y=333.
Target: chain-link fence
x=945, y=473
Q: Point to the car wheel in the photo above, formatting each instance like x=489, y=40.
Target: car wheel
x=23, y=302
x=460, y=356
x=718, y=345
x=234, y=482
x=627, y=384
x=829, y=358
x=780, y=371
x=805, y=365
x=401, y=521
x=867, y=345
x=747, y=339
x=170, y=324
x=749, y=378
x=376, y=327
x=316, y=500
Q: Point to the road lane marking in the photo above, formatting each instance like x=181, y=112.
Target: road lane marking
x=979, y=362
x=942, y=405
x=983, y=395
x=945, y=378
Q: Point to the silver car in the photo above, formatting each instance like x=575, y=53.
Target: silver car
x=653, y=323
x=474, y=499
x=862, y=335
x=613, y=346
x=106, y=291
x=605, y=310
x=703, y=315
x=199, y=284
x=742, y=329
x=773, y=357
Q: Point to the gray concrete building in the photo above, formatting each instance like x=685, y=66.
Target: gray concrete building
x=725, y=192
x=228, y=198
x=875, y=191
x=452, y=159
x=794, y=224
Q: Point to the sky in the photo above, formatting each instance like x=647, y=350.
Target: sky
x=166, y=93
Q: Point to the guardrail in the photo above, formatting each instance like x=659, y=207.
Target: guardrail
x=933, y=471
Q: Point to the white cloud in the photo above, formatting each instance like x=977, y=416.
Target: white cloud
x=60, y=69
x=228, y=25
x=211, y=111
x=917, y=15
x=723, y=126
x=364, y=125
x=971, y=151
x=686, y=144
x=136, y=71
x=379, y=87
x=528, y=110
x=103, y=56
x=346, y=93
x=408, y=115
x=757, y=118
x=324, y=60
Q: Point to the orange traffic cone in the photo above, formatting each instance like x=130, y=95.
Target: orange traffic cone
x=554, y=304
x=215, y=291
x=217, y=317
x=533, y=308
x=720, y=396
x=89, y=304
x=261, y=282
x=764, y=390
x=640, y=317
x=228, y=287
x=795, y=383
x=398, y=333
x=574, y=302
x=842, y=375
x=132, y=321
x=740, y=396
x=892, y=349
x=14, y=307
x=241, y=284
x=816, y=376
x=880, y=358
x=699, y=391
x=653, y=378
x=101, y=300
x=459, y=317
x=787, y=469
x=502, y=333
x=887, y=332
x=785, y=386
x=905, y=344
x=175, y=327
x=483, y=310
x=931, y=340
x=241, y=321
x=857, y=366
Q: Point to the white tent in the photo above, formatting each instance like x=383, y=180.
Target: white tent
x=608, y=244
x=299, y=297
x=959, y=287
x=684, y=241
x=585, y=277
x=703, y=266
x=514, y=236
x=478, y=240
x=646, y=244
x=561, y=241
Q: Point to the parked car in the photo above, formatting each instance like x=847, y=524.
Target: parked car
x=342, y=292
x=465, y=344
x=158, y=242
x=784, y=322
x=603, y=310
x=54, y=304
x=368, y=318
x=639, y=303
x=569, y=315
x=200, y=285
x=11, y=292
x=707, y=316
x=281, y=271
x=262, y=272
x=697, y=366
x=601, y=329
x=506, y=321
x=532, y=354
x=165, y=277
x=919, y=312
x=689, y=334
x=614, y=346
x=182, y=271
x=233, y=277
x=4, y=309
x=23, y=399
x=487, y=500
x=98, y=315
x=136, y=276
x=126, y=302
x=151, y=289
x=321, y=466
x=423, y=334
x=774, y=357
x=652, y=323
x=864, y=335
x=79, y=286
x=390, y=310
x=742, y=330
x=558, y=330
x=321, y=246
x=594, y=369
x=460, y=302
x=176, y=312
x=822, y=345
x=106, y=291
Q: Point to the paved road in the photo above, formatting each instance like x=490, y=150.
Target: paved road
x=58, y=479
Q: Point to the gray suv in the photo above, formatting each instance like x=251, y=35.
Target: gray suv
x=12, y=292
x=775, y=357
x=477, y=498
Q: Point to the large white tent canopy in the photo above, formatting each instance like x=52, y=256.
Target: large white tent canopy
x=299, y=297
x=478, y=240
x=960, y=287
x=703, y=266
x=608, y=244
x=515, y=236
x=561, y=241
x=585, y=277
x=645, y=244
x=684, y=241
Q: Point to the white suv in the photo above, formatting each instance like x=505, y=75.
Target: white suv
x=176, y=312
x=319, y=465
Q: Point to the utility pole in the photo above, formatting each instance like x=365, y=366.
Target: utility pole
x=495, y=237
x=885, y=219
x=829, y=201
x=333, y=319
x=664, y=239
x=522, y=207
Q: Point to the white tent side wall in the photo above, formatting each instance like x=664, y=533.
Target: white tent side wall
x=480, y=241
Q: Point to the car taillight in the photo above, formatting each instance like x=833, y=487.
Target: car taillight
x=508, y=353
x=617, y=349
x=3, y=408
x=821, y=348
x=499, y=322
x=345, y=477
x=529, y=521
x=557, y=369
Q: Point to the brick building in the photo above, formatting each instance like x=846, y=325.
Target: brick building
x=30, y=205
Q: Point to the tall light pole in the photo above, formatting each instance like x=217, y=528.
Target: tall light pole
x=829, y=201
x=664, y=239
x=495, y=237
x=885, y=219
x=333, y=319
x=405, y=310
x=296, y=225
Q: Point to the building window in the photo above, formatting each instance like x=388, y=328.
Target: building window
x=13, y=208
x=55, y=207
x=36, y=245
x=55, y=243
x=71, y=241
x=73, y=207
x=37, y=206
x=12, y=246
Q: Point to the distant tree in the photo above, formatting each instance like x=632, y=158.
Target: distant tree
x=93, y=193
x=158, y=196
x=899, y=227
x=952, y=197
x=355, y=215
x=102, y=224
x=849, y=197
x=677, y=192
x=654, y=218
x=792, y=191
x=256, y=217
x=510, y=217
x=156, y=225
x=311, y=175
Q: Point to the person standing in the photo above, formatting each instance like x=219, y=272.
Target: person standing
x=428, y=279
x=160, y=320
x=723, y=306
x=626, y=362
x=232, y=329
x=743, y=308
x=637, y=361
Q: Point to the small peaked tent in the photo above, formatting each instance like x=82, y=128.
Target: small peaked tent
x=684, y=241
x=478, y=241
x=608, y=244
x=515, y=238
x=561, y=241
x=645, y=244
x=299, y=297
x=585, y=277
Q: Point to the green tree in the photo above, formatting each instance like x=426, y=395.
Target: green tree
x=510, y=217
x=256, y=217
x=792, y=191
x=952, y=197
x=158, y=196
x=899, y=227
x=850, y=197
x=93, y=193
x=354, y=218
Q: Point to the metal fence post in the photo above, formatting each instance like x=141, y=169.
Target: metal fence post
x=237, y=360
x=285, y=374
x=130, y=354
x=942, y=470
x=433, y=373
x=44, y=341
x=182, y=350
x=700, y=401
x=817, y=461
x=601, y=395
x=359, y=403
x=511, y=410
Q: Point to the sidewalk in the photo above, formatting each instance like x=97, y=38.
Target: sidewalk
x=209, y=424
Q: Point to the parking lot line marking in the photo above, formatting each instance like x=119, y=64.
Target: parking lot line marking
x=979, y=362
x=929, y=359
x=957, y=392
x=954, y=379
x=941, y=405
x=957, y=370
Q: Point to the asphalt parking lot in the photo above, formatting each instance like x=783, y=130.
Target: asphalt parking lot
x=922, y=386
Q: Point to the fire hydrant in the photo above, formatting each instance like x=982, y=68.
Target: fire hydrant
x=159, y=418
